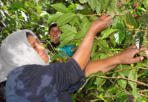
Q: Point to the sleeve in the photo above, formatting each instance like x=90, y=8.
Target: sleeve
x=68, y=76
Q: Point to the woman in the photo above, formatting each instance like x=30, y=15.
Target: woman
x=16, y=51
x=38, y=82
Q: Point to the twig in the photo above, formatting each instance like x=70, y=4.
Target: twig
x=102, y=15
x=120, y=70
x=142, y=91
x=143, y=95
x=138, y=29
x=119, y=77
x=97, y=38
x=116, y=85
x=109, y=96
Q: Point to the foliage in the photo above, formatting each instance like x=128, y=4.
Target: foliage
x=125, y=83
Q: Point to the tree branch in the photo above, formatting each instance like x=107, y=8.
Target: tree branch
x=119, y=77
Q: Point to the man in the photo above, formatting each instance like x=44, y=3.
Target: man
x=55, y=32
x=53, y=83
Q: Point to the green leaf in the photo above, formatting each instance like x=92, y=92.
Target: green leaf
x=144, y=19
x=75, y=21
x=38, y=9
x=29, y=4
x=107, y=32
x=119, y=37
x=130, y=21
x=145, y=3
x=99, y=82
x=84, y=26
x=68, y=34
x=68, y=29
x=103, y=45
x=133, y=76
x=140, y=36
x=98, y=8
x=92, y=4
x=111, y=8
x=128, y=39
x=122, y=83
x=53, y=17
x=60, y=7
x=67, y=39
x=106, y=3
x=83, y=1
x=124, y=73
x=96, y=5
x=118, y=23
x=93, y=52
x=65, y=18
x=15, y=6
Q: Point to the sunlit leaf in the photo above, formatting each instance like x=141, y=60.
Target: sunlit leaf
x=60, y=7
x=65, y=18
x=107, y=32
x=83, y=1
x=133, y=76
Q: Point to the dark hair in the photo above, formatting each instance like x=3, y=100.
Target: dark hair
x=52, y=25
x=28, y=34
x=2, y=91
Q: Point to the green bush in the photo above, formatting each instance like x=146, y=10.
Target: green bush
x=125, y=83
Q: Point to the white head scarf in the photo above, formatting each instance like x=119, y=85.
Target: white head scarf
x=16, y=51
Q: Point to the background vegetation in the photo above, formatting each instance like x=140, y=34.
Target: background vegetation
x=126, y=83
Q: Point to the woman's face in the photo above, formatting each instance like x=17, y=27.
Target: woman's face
x=38, y=47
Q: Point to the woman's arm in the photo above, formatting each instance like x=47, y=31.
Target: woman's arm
x=82, y=54
x=104, y=65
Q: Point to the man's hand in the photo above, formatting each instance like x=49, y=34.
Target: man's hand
x=128, y=55
x=100, y=24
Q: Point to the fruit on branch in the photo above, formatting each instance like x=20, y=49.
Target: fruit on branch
x=135, y=16
x=135, y=5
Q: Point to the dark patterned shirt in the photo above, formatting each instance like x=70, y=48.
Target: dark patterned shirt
x=51, y=83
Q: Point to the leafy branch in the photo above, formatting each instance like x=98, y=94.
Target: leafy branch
x=119, y=77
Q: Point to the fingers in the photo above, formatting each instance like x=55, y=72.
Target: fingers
x=106, y=17
x=108, y=20
x=132, y=46
x=146, y=52
x=136, y=51
x=137, y=59
x=102, y=17
x=143, y=48
x=132, y=51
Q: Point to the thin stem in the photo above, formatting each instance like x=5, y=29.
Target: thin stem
x=143, y=95
x=142, y=91
x=119, y=77
x=120, y=70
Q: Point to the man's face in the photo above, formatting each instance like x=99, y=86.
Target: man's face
x=36, y=45
x=55, y=33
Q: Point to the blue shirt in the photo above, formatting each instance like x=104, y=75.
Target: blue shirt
x=51, y=83
x=67, y=50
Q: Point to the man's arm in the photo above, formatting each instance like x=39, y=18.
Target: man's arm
x=82, y=54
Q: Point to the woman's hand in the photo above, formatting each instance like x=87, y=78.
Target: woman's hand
x=128, y=55
x=145, y=49
x=100, y=24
